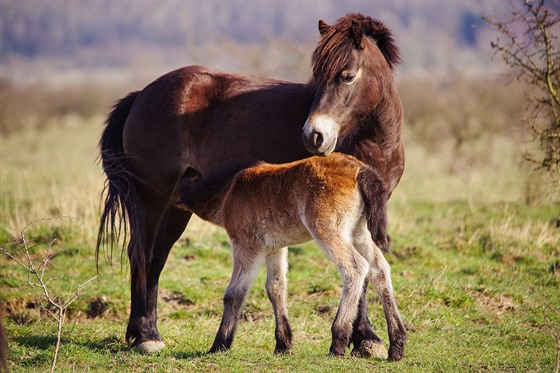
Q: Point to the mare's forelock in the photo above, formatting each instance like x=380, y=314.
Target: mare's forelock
x=336, y=43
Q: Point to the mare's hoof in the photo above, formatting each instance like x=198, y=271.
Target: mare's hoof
x=217, y=350
x=150, y=347
x=373, y=350
x=284, y=351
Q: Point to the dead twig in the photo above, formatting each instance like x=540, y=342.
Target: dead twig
x=40, y=284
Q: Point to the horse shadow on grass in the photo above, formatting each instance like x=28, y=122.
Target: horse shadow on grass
x=112, y=345
x=190, y=355
x=42, y=342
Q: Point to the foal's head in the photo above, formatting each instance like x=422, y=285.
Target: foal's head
x=352, y=65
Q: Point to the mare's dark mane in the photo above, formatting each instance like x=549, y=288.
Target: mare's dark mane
x=334, y=48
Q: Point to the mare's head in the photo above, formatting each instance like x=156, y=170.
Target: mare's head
x=352, y=65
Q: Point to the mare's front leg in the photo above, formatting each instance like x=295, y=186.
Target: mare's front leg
x=246, y=262
x=366, y=342
x=142, y=326
x=276, y=268
x=381, y=278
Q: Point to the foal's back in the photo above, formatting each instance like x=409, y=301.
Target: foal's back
x=280, y=205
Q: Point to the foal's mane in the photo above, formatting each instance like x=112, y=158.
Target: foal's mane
x=336, y=43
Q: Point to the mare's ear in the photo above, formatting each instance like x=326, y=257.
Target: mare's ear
x=323, y=27
x=385, y=42
x=357, y=34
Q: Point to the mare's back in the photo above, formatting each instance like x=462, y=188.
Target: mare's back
x=216, y=117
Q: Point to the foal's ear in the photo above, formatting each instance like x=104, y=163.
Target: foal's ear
x=385, y=42
x=357, y=34
x=323, y=27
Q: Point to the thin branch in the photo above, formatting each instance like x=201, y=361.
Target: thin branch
x=36, y=280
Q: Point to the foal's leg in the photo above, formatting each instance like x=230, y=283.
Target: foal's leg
x=246, y=263
x=353, y=268
x=276, y=268
x=380, y=276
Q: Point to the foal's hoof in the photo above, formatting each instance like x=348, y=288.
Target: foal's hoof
x=373, y=350
x=150, y=347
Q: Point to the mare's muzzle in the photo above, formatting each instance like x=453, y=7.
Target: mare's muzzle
x=320, y=134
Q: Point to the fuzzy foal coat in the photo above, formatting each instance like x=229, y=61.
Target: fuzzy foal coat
x=336, y=200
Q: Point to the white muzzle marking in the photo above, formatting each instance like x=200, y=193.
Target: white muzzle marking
x=327, y=127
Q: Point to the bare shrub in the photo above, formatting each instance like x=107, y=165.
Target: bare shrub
x=529, y=44
x=54, y=305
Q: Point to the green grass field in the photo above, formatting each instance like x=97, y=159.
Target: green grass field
x=476, y=272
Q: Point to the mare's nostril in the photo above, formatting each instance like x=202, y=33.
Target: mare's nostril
x=317, y=140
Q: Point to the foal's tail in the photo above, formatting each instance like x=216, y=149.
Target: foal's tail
x=375, y=195
x=122, y=203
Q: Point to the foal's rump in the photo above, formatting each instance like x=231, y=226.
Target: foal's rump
x=341, y=186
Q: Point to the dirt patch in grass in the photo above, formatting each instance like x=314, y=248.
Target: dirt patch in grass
x=496, y=305
x=175, y=299
x=26, y=310
x=97, y=307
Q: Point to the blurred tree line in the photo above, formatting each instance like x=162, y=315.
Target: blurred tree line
x=113, y=33
x=457, y=109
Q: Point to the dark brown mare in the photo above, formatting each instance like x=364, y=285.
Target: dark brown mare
x=338, y=201
x=195, y=120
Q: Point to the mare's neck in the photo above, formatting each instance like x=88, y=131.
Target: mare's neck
x=378, y=140
x=379, y=133
x=386, y=126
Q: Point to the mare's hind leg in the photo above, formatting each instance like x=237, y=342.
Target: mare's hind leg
x=142, y=326
x=171, y=226
x=380, y=276
x=246, y=262
x=276, y=268
x=353, y=268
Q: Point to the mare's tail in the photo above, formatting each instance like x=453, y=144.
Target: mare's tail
x=122, y=203
x=375, y=195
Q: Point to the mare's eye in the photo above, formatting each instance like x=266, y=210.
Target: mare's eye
x=347, y=76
